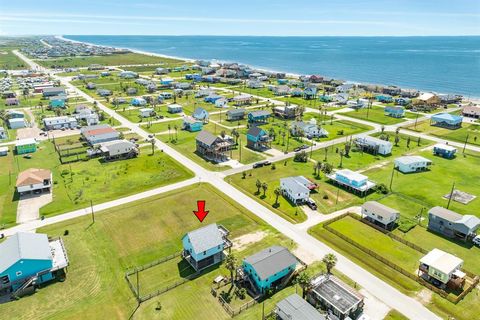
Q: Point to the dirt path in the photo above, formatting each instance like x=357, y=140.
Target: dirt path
x=244, y=241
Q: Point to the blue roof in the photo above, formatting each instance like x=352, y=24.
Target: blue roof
x=447, y=117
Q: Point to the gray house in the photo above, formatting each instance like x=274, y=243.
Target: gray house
x=235, y=114
x=294, y=307
x=452, y=224
x=380, y=214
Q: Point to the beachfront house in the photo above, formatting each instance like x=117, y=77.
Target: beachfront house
x=409, y=164
x=402, y=101
x=16, y=123
x=118, y=149
x=409, y=93
x=373, y=145
x=308, y=129
x=269, y=268
x=427, y=99
x=99, y=133
x=258, y=139
x=352, y=180
x=395, y=111
x=336, y=297
x=174, y=108
x=200, y=114
x=34, y=181
x=204, y=247
x=146, y=112
x=25, y=146
x=444, y=150
x=452, y=224
x=235, y=114
x=213, y=147
x=30, y=259
x=191, y=124
x=310, y=93
x=294, y=307
x=471, y=111
x=62, y=122
x=380, y=214
x=446, y=120
x=296, y=189
x=442, y=268
x=285, y=112
x=392, y=90
x=259, y=116
x=280, y=90
x=357, y=104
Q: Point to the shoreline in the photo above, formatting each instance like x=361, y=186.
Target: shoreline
x=473, y=99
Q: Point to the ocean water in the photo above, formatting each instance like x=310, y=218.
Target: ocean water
x=440, y=64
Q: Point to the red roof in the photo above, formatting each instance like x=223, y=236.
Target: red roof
x=100, y=131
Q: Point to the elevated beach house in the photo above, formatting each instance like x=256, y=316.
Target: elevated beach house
x=452, y=224
x=62, y=122
x=204, y=247
x=53, y=91
x=34, y=181
x=174, y=108
x=442, y=268
x=138, y=102
x=268, y=268
x=395, y=111
x=333, y=295
x=235, y=114
x=285, y=112
x=258, y=139
x=26, y=146
x=200, y=114
x=352, y=180
x=373, y=145
x=30, y=259
x=446, y=120
x=308, y=129
x=118, y=149
x=296, y=189
x=99, y=133
x=212, y=147
x=191, y=124
x=294, y=307
x=259, y=116
x=471, y=111
x=408, y=164
x=242, y=100
x=444, y=150
x=380, y=214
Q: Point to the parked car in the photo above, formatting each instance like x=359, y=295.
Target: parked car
x=311, y=204
x=304, y=147
x=261, y=164
x=297, y=149
x=476, y=241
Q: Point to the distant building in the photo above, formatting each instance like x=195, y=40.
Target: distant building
x=258, y=117
x=384, y=98
x=268, y=268
x=446, y=120
x=380, y=214
x=333, y=295
x=63, y=122
x=200, y=114
x=285, y=112
x=174, y=108
x=16, y=123
x=99, y=133
x=204, y=247
x=373, y=145
x=442, y=267
x=146, y=112
x=444, y=150
x=294, y=307
x=235, y=114
x=11, y=102
x=308, y=129
x=395, y=111
x=3, y=133
x=128, y=75
x=241, y=100
x=53, y=91
x=34, y=180
x=452, y=224
x=191, y=124
x=138, y=102
x=352, y=180
x=408, y=164
x=428, y=99
x=15, y=114
x=26, y=146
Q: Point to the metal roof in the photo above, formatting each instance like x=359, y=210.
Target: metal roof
x=255, y=131
x=295, y=308
x=445, y=214
x=337, y=294
x=443, y=261
x=380, y=209
x=206, y=137
x=271, y=260
x=294, y=184
x=22, y=245
x=205, y=238
x=406, y=160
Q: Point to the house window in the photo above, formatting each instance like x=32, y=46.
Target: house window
x=18, y=273
x=204, y=253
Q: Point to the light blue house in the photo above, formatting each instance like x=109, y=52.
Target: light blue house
x=56, y=103
x=282, y=81
x=137, y=102
x=352, y=180
x=258, y=139
x=385, y=98
x=166, y=81
x=212, y=98
x=200, y=114
x=446, y=120
x=204, y=247
x=444, y=150
x=260, y=116
x=268, y=268
x=402, y=101
x=192, y=124
x=395, y=111
x=29, y=259
x=128, y=75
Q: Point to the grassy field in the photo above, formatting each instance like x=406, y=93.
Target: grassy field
x=471, y=130
x=395, y=315
x=31, y=101
x=111, y=60
x=377, y=114
x=135, y=234
x=78, y=183
x=9, y=61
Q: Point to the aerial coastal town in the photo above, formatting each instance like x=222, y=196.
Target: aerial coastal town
x=139, y=186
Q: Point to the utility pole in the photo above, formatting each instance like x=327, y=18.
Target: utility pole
x=138, y=286
x=311, y=149
x=451, y=195
x=93, y=214
x=338, y=192
x=416, y=119
x=465, y=144
x=391, y=178
x=240, y=151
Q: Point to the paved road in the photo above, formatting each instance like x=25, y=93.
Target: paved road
x=378, y=288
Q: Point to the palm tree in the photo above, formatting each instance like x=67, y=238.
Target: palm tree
x=316, y=168
x=341, y=153
x=231, y=264
x=303, y=280
x=176, y=132
x=258, y=184
x=264, y=188
x=277, y=192
x=236, y=135
x=169, y=128
x=382, y=128
x=330, y=261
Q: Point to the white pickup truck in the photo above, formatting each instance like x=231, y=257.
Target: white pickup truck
x=476, y=241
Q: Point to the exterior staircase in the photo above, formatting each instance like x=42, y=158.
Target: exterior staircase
x=25, y=285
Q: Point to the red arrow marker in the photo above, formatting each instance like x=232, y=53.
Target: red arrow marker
x=201, y=213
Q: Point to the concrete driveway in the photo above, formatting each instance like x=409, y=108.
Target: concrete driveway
x=29, y=206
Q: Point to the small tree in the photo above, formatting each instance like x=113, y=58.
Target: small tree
x=264, y=188
x=277, y=192
x=303, y=280
x=330, y=261
x=258, y=184
x=231, y=264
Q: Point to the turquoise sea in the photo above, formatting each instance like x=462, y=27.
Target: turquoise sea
x=440, y=64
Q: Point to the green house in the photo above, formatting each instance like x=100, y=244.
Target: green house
x=26, y=146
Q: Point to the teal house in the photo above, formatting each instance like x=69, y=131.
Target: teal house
x=57, y=103
x=446, y=120
x=30, y=259
x=395, y=111
x=268, y=268
x=260, y=116
x=26, y=146
x=191, y=124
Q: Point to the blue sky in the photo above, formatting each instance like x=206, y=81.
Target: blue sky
x=245, y=17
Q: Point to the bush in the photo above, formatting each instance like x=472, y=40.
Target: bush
x=300, y=157
x=325, y=196
x=381, y=188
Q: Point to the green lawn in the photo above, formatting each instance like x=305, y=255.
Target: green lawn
x=395, y=315
x=78, y=183
x=471, y=130
x=376, y=114
x=9, y=61
x=29, y=101
x=132, y=235
x=111, y=60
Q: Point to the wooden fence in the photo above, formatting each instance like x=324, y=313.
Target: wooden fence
x=153, y=263
x=231, y=311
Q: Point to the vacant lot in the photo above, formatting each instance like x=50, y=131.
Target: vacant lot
x=459, y=135
x=9, y=61
x=376, y=114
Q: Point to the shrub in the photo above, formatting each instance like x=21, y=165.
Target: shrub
x=381, y=188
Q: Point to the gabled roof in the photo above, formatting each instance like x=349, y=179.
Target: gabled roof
x=406, y=160
x=199, y=111
x=255, y=131
x=444, y=147
x=31, y=246
x=380, y=209
x=295, y=308
x=470, y=221
x=205, y=238
x=32, y=176
x=271, y=260
x=260, y=113
x=206, y=137
x=443, y=261
x=236, y=111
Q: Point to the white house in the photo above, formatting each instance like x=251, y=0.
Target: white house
x=380, y=214
x=17, y=123
x=296, y=189
x=145, y=112
x=55, y=123
x=3, y=133
x=409, y=164
x=118, y=149
x=3, y=151
x=33, y=180
x=374, y=145
x=441, y=266
x=308, y=129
